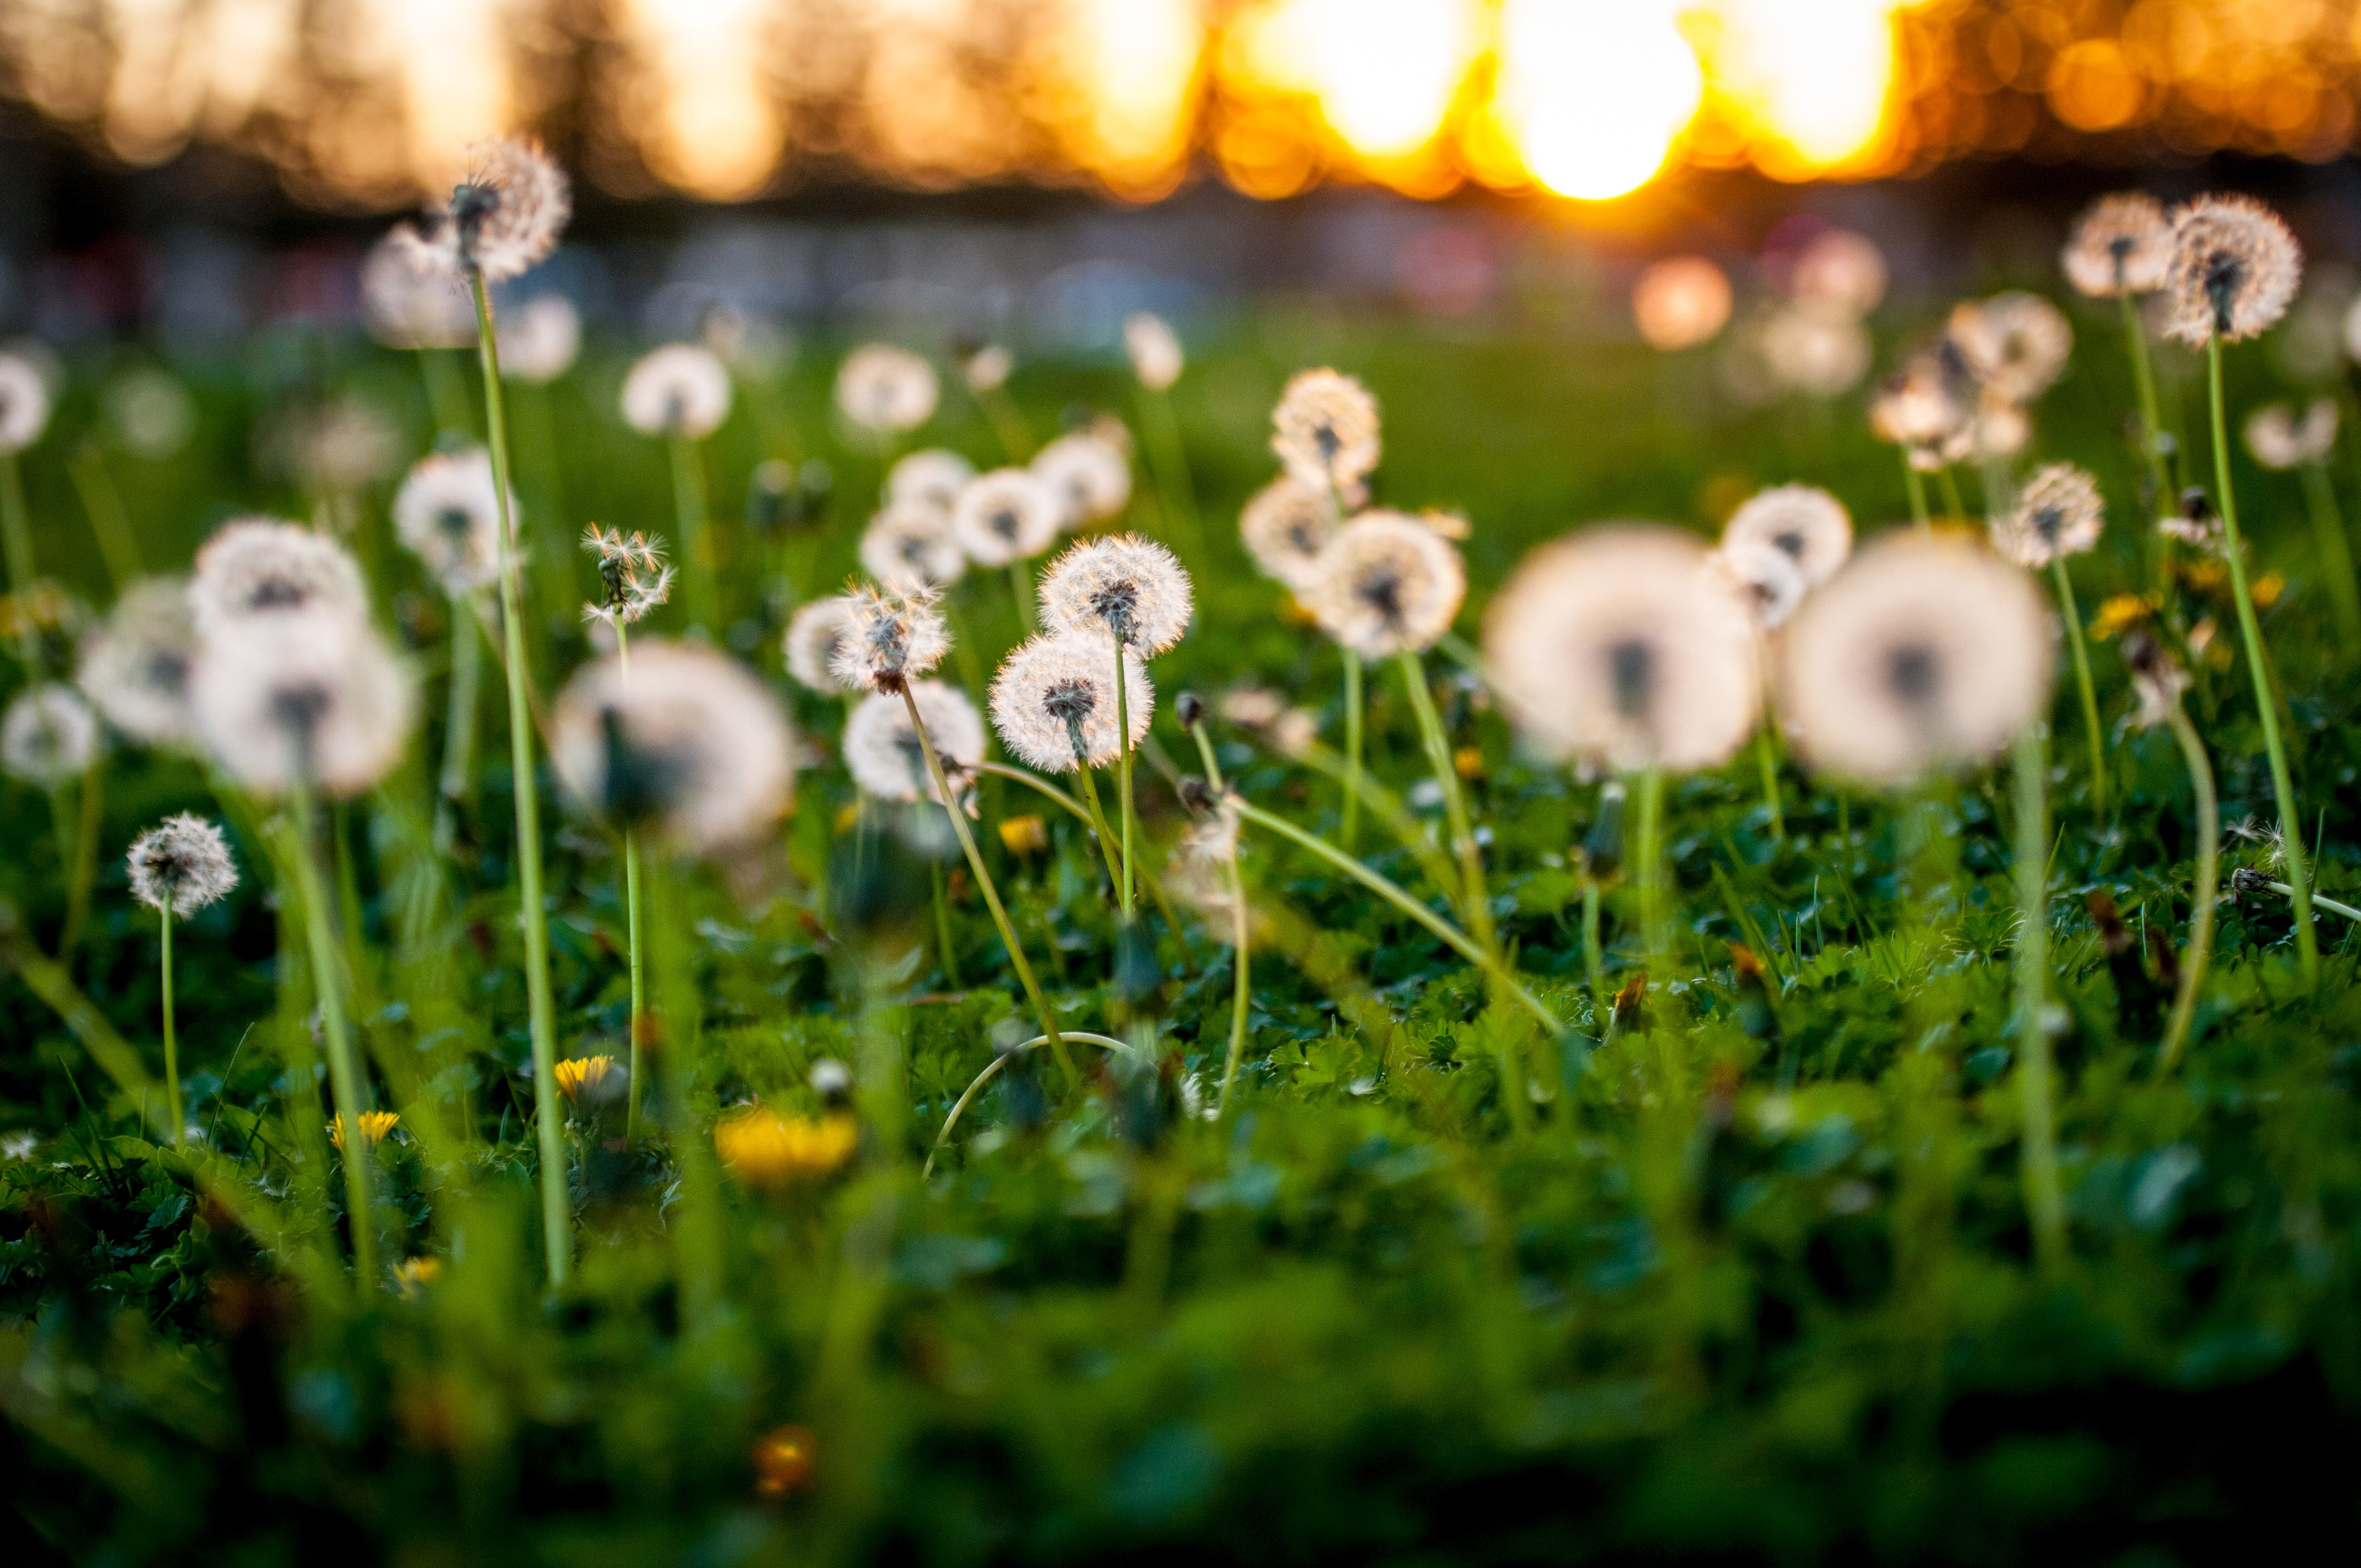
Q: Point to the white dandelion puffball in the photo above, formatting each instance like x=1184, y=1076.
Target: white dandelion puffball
x=2236, y=269
x=539, y=340
x=1387, y=584
x=633, y=580
x=409, y=303
x=1842, y=271
x=447, y=514
x=312, y=696
x=1681, y=302
x=881, y=750
x=933, y=475
x=1286, y=525
x=258, y=567
x=344, y=446
x=50, y=736
x=1154, y=349
x=1325, y=429
x=135, y=665
x=504, y=216
x=24, y=402
x=150, y=412
x=2121, y=245
x=885, y=389
x=180, y=865
x=813, y=635
x=1816, y=350
x=2060, y=512
x=1055, y=698
x=682, y=389
x=1089, y=475
x=684, y=740
x=911, y=545
x=2015, y=345
x=1806, y=523
x=1005, y=515
x=1131, y=589
x=1921, y=652
x=2280, y=438
x=1623, y=647
x=890, y=639
x=988, y=369
x=1765, y=576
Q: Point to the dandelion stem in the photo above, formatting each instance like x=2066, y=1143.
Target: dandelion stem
x=1767, y=759
x=2251, y=632
x=1955, y=508
x=631, y=925
x=1352, y=825
x=2332, y=905
x=991, y=894
x=1916, y=483
x=1020, y=589
x=696, y=546
x=1122, y=764
x=1387, y=807
x=172, y=1040
x=943, y=928
x=1205, y=751
x=2336, y=555
x=993, y=1069
x=2203, y=895
x=1240, y=929
x=1594, y=961
x=2143, y=384
x=556, y=1205
x=17, y=544
x=1178, y=492
x=459, y=727
x=446, y=396
x=1147, y=879
x=2043, y=1204
x=85, y=860
x=104, y=503
x=344, y=1068
x=2074, y=642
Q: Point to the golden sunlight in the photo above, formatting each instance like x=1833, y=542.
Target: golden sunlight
x=1809, y=81
x=716, y=128
x=1596, y=92
x=1132, y=72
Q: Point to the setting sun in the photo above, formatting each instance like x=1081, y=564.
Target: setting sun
x=1595, y=91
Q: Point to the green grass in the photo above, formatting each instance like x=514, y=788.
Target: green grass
x=1758, y=1284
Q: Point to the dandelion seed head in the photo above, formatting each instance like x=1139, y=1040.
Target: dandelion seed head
x=49, y=737
x=1325, y=429
x=889, y=638
x=681, y=388
x=2002, y=429
x=1387, y=584
x=1286, y=525
x=1623, y=647
x=933, y=476
x=2235, y=267
x=1055, y=695
x=881, y=750
x=885, y=389
x=307, y=695
x=633, y=579
x=24, y=402
x=1806, y=524
x=504, y=216
x=1089, y=475
x=1816, y=349
x=684, y=741
x=1005, y=515
x=447, y=514
x=814, y=633
x=259, y=568
x=2060, y=512
x=1766, y=578
x=539, y=340
x=1920, y=652
x=987, y=369
x=2121, y=245
x=2281, y=438
x=180, y=865
x=409, y=302
x=1920, y=409
x=911, y=545
x=135, y=665
x=2015, y=345
x=1154, y=349
x=1132, y=589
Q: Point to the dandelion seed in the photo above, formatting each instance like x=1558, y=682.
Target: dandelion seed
x=1286, y=526
x=1922, y=652
x=1817, y=350
x=883, y=752
x=1841, y=271
x=813, y=636
x=134, y=666
x=540, y=340
x=889, y=638
x=1154, y=349
x=447, y=514
x=934, y=477
x=408, y=302
x=2015, y=345
x=2058, y=513
x=911, y=545
x=2234, y=270
x=180, y=865
x=1386, y=584
x=505, y=215
x=1681, y=302
x=50, y=736
x=259, y=568
x=634, y=581
x=885, y=389
x=685, y=741
x=1766, y=575
x=1621, y=647
x=2280, y=438
x=1325, y=430
x=1806, y=524
x=1005, y=515
x=1132, y=589
x=681, y=390
x=1054, y=701
x=24, y=402
x=375, y=1125
x=2121, y=245
x=1089, y=475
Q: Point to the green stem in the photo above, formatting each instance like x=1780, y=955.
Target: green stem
x=2203, y=894
x=17, y=547
x=557, y=1206
x=447, y=398
x=943, y=928
x=1388, y=808
x=1767, y=759
x=1916, y=483
x=631, y=925
x=1240, y=927
x=2043, y=1204
x=1352, y=825
x=1179, y=493
x=1475, y=905
x=344, y=1067
x=1123, y=775
x=2151, y=425
x=1594, y=961
x=459, y=724
x=2336, y=555
x=1954, y=508
x=1088, y=778
x=1648, y=867
x=85, y=860
x=2250, y=630
x=1020, y=588
x=695, y=543
x=104, y=503
x=172, y=1043
x=1096, y=825
x=2073, y=614
x=1205, y=753
x=2332, y=905
x=993, y=1069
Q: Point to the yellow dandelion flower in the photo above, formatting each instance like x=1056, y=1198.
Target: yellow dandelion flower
x=765, y=1149
x=412, y=1275
x=2121, y=613
x=378, y=1124
x=1026, y=835
x=587, y=1078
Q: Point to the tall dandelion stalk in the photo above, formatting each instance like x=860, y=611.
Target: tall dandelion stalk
x=2043, y=1202
x=178, y=868
x=2159, y=683
x=328, y=979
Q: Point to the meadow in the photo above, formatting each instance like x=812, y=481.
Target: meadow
x=1742, y=1236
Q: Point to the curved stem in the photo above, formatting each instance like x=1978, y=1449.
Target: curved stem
x=2203, y=895
x=2073, y=614
x=172, y=1043
x=993, y=1071
x=2044, y=1205
x=1147, y=879
x=1206, y=753
x=1388, y=808
x=1352, y=826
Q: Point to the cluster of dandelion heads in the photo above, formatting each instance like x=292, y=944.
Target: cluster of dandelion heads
x=1623, y=647
x=48, y=736
x=1006, y=515
x=1154, y=349
x=135, y=665
x=1054, y=701
x=682, y=389
x=685, y=742
x=881, y=749
x=1386, y=584
x=24, y=402
x=814, y=633
x=1325, y=429
x=447, y=513
x=1125, y=586
x=2060, y=512
x=885, y=389
x=1804, y=522
x=540, y=340
x=2280, y=437
x=2235, y=267
x=2014, y=344
x=502, y=217
x=408, y=302
x=1089, y=473
x=1286, y=525
x=912, y=544
x=1923, y=651
x=180, y=865
x=633, y=580
x=312, y=697
x=1766, y=577
x=2121, y=245
x=889, y=639
x=258, y=567
x=933, y=477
